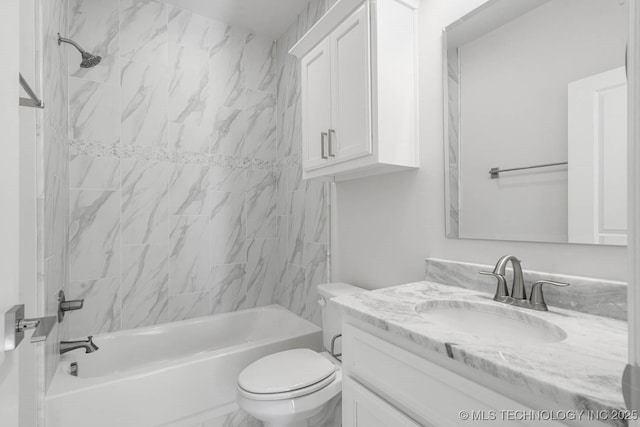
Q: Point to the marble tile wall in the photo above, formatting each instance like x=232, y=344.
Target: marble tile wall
x=52, y=151
x=186, y=195
x=173, y=172
x=302, y=205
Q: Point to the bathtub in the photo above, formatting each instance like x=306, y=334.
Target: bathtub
x=175, y=374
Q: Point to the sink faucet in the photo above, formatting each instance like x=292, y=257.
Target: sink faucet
x=518, y=291
x=88, y=345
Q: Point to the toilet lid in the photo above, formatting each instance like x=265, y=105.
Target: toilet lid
x=286, y=371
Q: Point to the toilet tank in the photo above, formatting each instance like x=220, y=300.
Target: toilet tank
x=331, y=316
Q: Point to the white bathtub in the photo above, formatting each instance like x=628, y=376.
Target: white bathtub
x=175, y=374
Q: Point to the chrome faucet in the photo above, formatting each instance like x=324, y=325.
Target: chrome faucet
x=88, y=345
x=518, y=291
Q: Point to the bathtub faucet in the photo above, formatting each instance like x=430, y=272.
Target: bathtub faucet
x=88, y=345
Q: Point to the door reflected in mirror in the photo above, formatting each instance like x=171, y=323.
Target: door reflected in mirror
x=536, y=122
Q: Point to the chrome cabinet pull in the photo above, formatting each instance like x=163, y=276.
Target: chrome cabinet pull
x=330, y=132
x=322, y=139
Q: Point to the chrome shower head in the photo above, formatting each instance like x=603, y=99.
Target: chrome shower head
x=88, y=60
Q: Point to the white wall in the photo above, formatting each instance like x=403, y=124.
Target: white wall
x=389, y=224
x=532, y=58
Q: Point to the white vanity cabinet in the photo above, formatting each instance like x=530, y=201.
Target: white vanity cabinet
x=359, y=90
x=362, y=408
x=386, y=385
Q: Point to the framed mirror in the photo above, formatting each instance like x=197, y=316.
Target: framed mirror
x=535, y=106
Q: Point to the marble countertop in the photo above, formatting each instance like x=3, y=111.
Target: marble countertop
x=581, y=372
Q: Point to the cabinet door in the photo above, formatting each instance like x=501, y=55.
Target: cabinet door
x=362, y=408
x=350, y=136
x=316, y=106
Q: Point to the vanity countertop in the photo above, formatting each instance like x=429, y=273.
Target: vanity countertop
x=582, y=372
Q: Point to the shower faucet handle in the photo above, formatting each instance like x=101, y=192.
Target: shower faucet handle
x=72, y=305
x=65, y=305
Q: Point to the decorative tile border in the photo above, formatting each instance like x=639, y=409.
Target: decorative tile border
x=153, y=154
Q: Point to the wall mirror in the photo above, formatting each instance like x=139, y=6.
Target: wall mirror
x=536, y=122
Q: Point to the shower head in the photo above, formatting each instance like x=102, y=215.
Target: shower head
x=88, y=60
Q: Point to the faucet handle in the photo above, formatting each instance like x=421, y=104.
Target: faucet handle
x=65, y=305
x=502, y=293
x=537, y=298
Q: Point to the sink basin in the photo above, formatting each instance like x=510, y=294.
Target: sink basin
x=489, y=323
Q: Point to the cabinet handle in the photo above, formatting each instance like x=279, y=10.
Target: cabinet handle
x=322, y=138
x=330, y=132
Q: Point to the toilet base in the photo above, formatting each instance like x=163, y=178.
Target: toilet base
x=296, y=424
x=330, y=415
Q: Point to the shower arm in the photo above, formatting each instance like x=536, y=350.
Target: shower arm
x=71, y=42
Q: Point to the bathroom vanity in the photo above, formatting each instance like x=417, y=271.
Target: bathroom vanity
x=437, y=355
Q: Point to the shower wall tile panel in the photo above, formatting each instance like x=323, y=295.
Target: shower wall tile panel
x=227, y=179
x=226, y=66
x=94, y=234
x=188, y=188
x=190, y=29
x=260, y=64
x=143, y=30
x=94, y=173
x=93, y=111
x=189, y=262
x=228, y=228
x=143, y=104
x=228, y=288
x=102, y=309
x=262, y=258
x=302, y=206
x=96, y=28
x=52, y=187
x=228, y=135
x=173, y=167
x=189, y=87
x=144, y=214
x=261, y=125
x=187, y=306
x=144, y=285
x=261, y=204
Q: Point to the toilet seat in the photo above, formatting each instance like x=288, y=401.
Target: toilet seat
x=286, y=375
x=289, y=394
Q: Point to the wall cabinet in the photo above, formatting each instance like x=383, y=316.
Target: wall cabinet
x=383, y=381
x=359, y=90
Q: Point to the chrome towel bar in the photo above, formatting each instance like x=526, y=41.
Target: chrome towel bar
x=33, y=100
x=495, y=172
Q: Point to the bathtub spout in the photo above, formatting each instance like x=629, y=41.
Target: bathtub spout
x=88, y=345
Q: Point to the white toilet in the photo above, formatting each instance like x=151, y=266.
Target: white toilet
x=285, y=389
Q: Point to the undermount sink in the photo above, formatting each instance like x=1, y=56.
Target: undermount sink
x=489, y=323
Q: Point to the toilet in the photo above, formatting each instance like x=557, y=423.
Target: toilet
x=285, y=389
